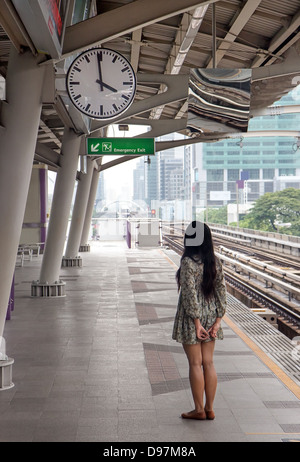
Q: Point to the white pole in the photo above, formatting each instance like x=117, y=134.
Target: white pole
x=90, y=207
x=60, y=210
x=79, y=211
x=20, y=116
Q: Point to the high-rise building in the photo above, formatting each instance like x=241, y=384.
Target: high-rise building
x=151, y=169
x=160, y=177
x=100, y=194
x=170, y=177
x=187, y=170
x=265, y=164
x=139, y=180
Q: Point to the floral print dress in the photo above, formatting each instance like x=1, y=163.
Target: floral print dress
x=192, y=304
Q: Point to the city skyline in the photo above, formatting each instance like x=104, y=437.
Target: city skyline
x=213, y=159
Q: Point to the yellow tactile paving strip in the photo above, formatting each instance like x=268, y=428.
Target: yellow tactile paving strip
x=288, y=382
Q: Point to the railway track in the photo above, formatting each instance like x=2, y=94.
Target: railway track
x=244, y=245
x=263, y=281
x=255, y=252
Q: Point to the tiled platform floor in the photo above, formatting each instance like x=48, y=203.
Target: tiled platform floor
x=99, y=365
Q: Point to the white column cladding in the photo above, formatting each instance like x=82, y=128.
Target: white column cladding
x=60, y=210
x=20, y=116
x=35, y=217
x=89, y=210
x=78, y=215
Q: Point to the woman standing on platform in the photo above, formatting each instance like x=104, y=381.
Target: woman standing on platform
x=201, y=305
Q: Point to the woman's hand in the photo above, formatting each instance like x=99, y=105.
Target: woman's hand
x=201, y=333
x=213, y=330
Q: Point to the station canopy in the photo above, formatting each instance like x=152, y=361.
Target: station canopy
x=164, y=41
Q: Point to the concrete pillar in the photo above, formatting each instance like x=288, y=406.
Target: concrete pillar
x=84, y=246
x=71, y=257
x=49, y=284
x=35, y=218
x=20, y=116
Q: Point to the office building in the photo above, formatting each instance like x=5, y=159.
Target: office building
x=266, y=164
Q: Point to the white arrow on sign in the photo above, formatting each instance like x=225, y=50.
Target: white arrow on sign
x=94, y=147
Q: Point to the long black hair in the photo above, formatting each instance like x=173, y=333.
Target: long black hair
x=198, y=245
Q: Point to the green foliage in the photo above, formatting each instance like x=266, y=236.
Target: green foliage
x=273, y=211
x=217, y=215
x=214, y=215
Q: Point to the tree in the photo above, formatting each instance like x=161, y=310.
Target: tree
x=217, y=215
x=274, y=211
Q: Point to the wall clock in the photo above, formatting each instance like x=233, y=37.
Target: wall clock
x=101, y=83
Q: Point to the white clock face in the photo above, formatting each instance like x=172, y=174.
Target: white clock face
x=101, y=83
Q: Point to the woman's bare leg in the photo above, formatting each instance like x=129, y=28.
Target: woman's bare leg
x=194, y=356
x=210, y=375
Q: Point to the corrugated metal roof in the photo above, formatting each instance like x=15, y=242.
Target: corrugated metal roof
x=250, y=47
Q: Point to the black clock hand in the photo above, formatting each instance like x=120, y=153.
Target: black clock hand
x=99, y=58
x=107, y=86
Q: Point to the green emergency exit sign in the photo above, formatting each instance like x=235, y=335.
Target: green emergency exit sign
x=120, y=146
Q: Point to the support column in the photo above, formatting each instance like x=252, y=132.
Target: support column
x=49, y=283
x=84, y=246
x=18, y=136
x=35, y=217
x=71, y=257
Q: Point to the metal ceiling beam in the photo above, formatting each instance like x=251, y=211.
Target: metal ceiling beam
x=136, y=48
x=184, y=39
x=287, y=46
x=276, y=110
x=122, y=20
x=48, y=134
x=157, y=127
x=164, y=145
x=288, y=67
x=115, y=162
x=156, y=112
x=163, y=127
x=48, y=155
x=14, y=28
x=239, y=23
x=279, y=39
x=176, y=91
